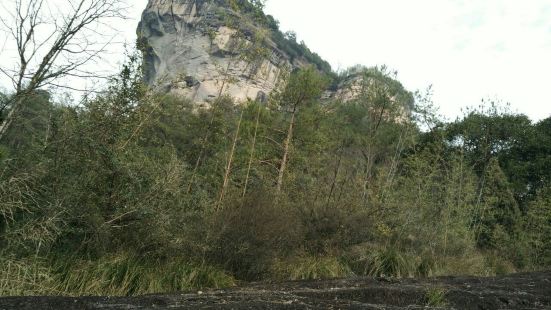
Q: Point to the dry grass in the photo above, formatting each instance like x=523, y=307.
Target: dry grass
x=310, y=268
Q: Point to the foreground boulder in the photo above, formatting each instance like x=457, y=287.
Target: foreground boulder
x=521, y=291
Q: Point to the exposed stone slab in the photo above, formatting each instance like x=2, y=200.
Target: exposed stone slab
x=521, y=291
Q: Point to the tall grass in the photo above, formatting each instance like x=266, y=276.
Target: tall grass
x=118, y=275
x=383, y=261
x=310, y=268
x=25, y=277
x=436, y=297
x=125, y=274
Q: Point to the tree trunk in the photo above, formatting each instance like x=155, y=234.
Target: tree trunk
x=200, y=157
x=335, y=174
x=230, y=160
x=367, y=176
x=221, y=91
x=251, y=157
x=9, y=118
x=286, y=147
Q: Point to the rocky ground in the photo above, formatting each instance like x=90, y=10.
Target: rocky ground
x=521, y=291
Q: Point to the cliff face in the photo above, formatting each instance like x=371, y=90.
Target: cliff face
x=367, y=84
x=202, y=49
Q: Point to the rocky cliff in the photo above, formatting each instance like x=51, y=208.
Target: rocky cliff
x=202, y=49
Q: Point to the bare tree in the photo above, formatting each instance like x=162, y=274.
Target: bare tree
x=52, y=40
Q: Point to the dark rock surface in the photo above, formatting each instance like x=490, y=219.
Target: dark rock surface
x=521, y=291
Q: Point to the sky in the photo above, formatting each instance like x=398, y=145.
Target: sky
x=468, y=50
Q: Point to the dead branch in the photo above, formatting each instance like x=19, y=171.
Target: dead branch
x=52, y=41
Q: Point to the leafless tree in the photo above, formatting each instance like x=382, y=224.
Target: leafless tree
x=53, y=40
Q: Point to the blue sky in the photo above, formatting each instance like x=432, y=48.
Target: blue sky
x=467, y=49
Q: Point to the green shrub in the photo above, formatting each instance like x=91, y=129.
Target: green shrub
x=248, y=234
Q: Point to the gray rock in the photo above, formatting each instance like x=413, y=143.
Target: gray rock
x=187, y=41
x=521, y=291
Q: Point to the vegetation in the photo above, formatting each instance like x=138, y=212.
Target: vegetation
x=46, y=51
x=134, y=192
x=96, y=199
x=436, y=297
x=287, y=41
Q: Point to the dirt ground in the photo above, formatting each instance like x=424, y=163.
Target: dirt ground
x=520, y=291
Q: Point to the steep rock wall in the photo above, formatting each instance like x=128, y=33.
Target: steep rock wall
x=191, y=49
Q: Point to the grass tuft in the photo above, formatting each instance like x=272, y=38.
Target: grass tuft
x=310, y=268
x=436, y=297
x=387, y=261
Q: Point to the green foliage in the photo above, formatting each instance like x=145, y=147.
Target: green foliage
x=303, y=88
x=436, y=297
x=121, y=195
x=499, y=214
x=527, y=162
x=538, y=228
x=284, y=41
x=493, y=132
x=4, y=101
x=295, y=50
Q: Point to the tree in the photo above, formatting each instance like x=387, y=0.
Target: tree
x=521, y=147
x=53, y=42
x=487, y=132
x=228, y=168
x=291, y=36
x=302, y=87
x=527, y=163
x=499, y=209
x=538, y=227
